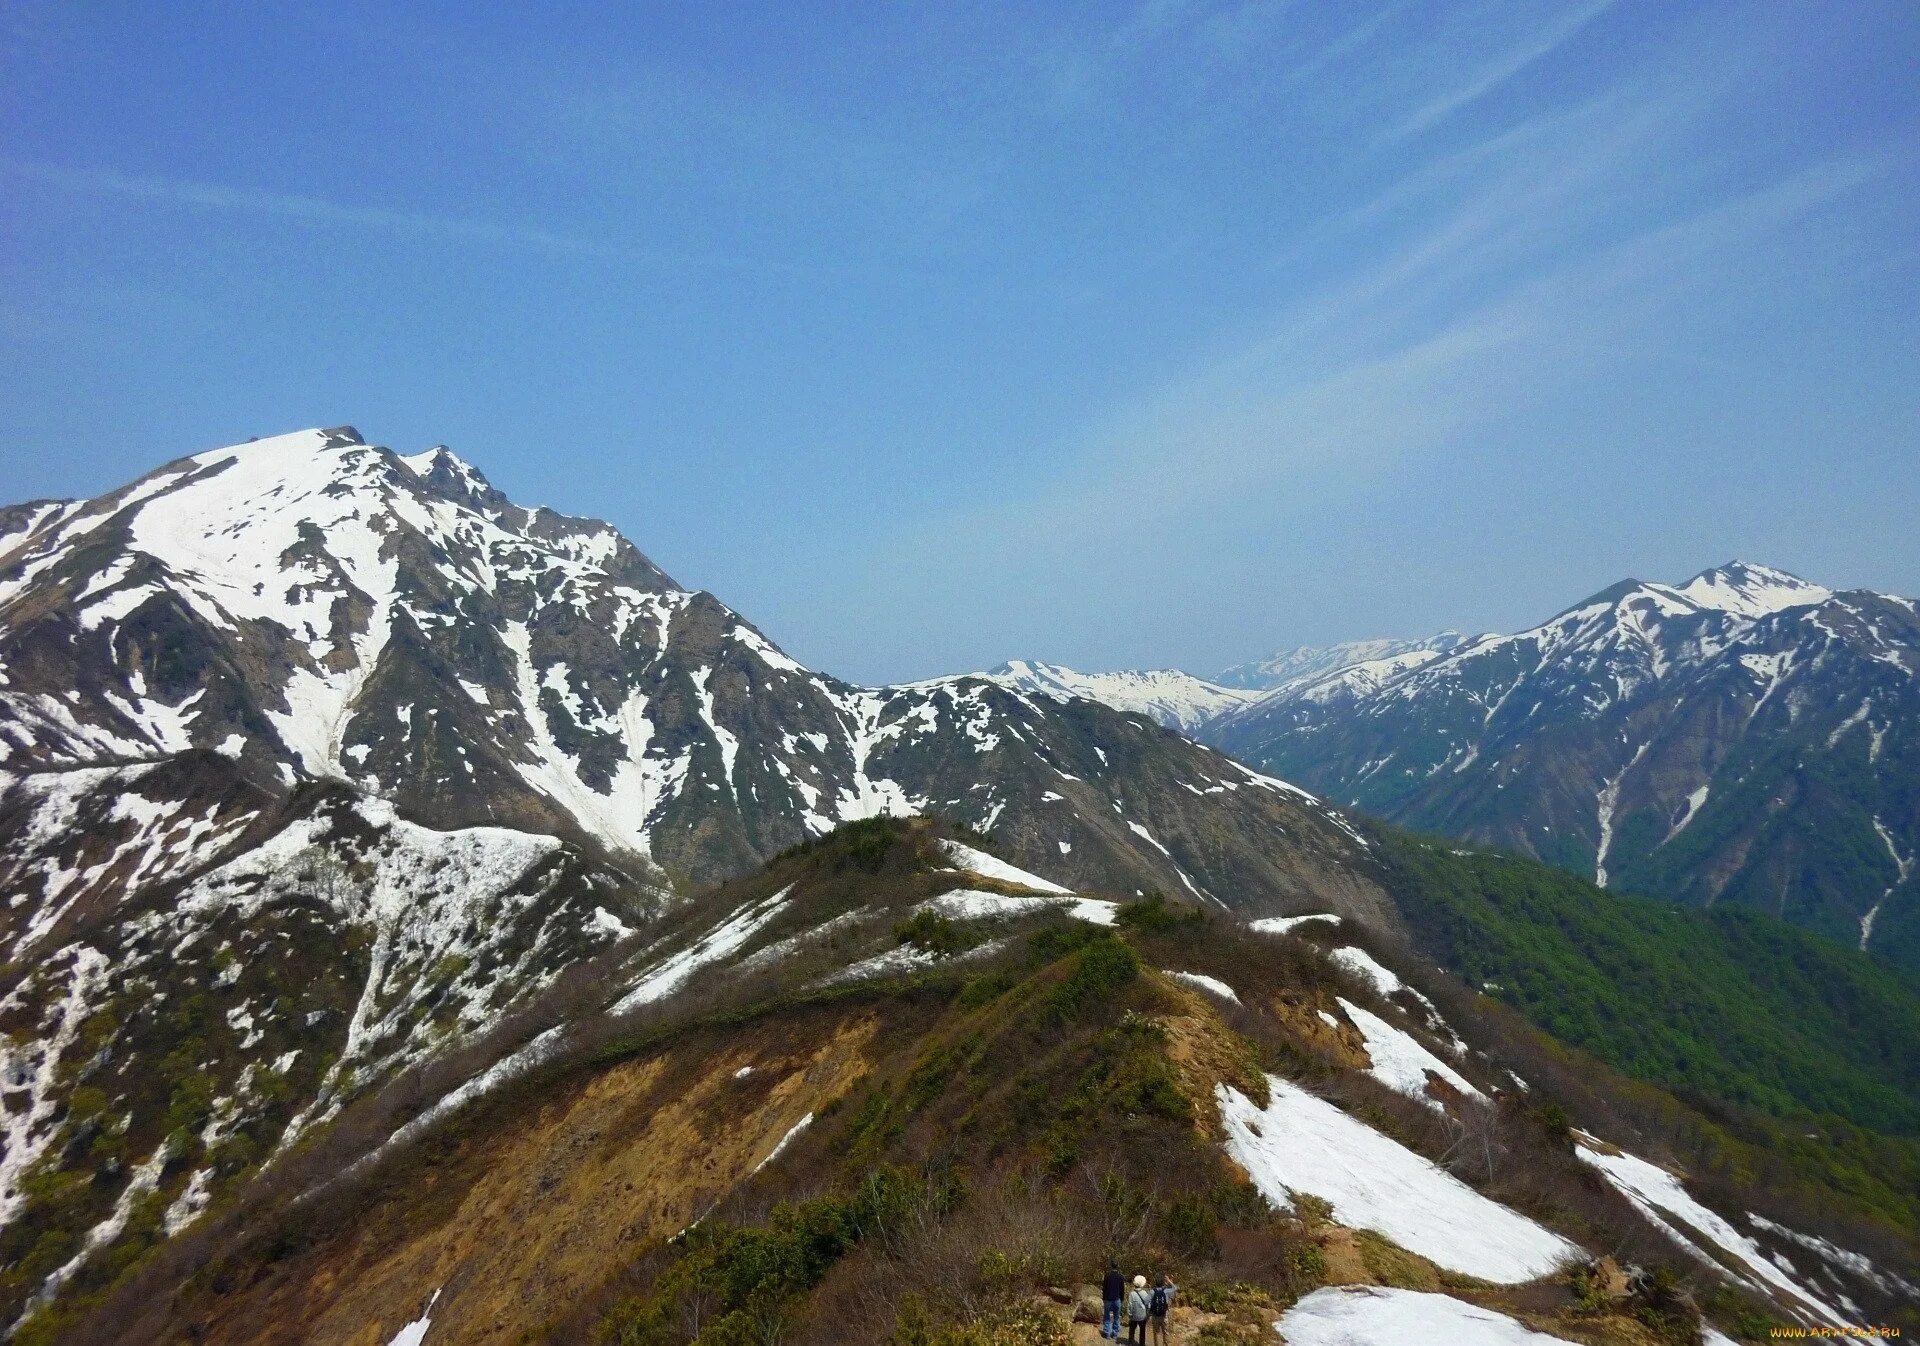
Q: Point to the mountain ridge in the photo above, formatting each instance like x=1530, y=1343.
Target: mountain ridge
x=318, y=607
x=319, y=763
x=1743, y=735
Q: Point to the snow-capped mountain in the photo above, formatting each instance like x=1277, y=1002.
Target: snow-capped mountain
x=1175, y=699
x=311, y=607
x=317, y=760
x=1307, y=662
x=1746, y=736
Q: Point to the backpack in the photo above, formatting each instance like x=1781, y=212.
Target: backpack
x=1157, y=1306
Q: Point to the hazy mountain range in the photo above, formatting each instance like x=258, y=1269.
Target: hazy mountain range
x=1746, y=736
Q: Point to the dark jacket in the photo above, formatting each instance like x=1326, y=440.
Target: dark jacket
x=1114, y=1287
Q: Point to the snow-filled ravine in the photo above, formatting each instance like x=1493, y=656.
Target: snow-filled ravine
x=1375, y=1315
x=1663, y=1199
x=1302, y=1143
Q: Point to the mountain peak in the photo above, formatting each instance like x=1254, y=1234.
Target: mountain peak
x=1750, y=590
x=450, y=474
x=1307, y=662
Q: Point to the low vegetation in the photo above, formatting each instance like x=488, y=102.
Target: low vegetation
x=1014, y=1113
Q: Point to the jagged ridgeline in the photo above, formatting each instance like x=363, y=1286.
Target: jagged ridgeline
x=1745, y=738
x=893, y=1089
x=372, y=846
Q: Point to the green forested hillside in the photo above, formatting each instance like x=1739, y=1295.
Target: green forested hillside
x=1725, y=1003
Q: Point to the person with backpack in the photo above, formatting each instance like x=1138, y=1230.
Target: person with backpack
x=1137, y=1303
x=1159, y=1305
x=1111, y=1291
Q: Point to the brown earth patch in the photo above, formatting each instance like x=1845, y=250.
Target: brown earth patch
x=545, y=1209
x=1204, y=1053
x=1345, y=1264
x=1340, y=1044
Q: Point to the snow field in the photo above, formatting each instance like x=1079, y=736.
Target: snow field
x=1302, y=1143
x=1664, y=1200
x=1354, y=1315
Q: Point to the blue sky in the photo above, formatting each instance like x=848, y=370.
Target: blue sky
x=931, y=335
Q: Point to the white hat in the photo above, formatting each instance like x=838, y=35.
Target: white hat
x=1139, y=1281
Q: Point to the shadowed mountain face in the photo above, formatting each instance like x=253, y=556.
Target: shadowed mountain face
x=1745, y=737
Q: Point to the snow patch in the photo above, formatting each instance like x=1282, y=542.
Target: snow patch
x=992, y=867
x=1399, y=1061
x=1280, y=925
x=415, y=1332
x=1205, y=983
x=1302, y=1143
x=975, y=904
x=718, y=943
x=1663, y=1200
x=1356, y=1315
x=785, y=1141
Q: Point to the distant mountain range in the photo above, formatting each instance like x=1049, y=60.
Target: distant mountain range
x=1746, y=736
x=1306, y=662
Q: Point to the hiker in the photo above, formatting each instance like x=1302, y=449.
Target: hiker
x=1159, y=1305
x=1137, y=1304
x=1111, y=1290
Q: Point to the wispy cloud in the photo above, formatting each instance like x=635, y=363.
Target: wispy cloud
x=319, y=211
x=1302, y=415
x=1085, y=76
x=1348, y=41
x=1496, y=71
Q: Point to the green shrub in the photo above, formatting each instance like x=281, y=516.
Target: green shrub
x=984, y=989
x=1312, y=1210
x=740, y=1283
x=1100, y=970
x=1152, y=915
x=1191, y=1227
x=1241, y=1204
x=933, y=933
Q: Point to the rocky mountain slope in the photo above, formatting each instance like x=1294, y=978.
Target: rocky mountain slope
x=317, y=762
x=311, y=607
x=893, y=1088
x=1744, y=737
